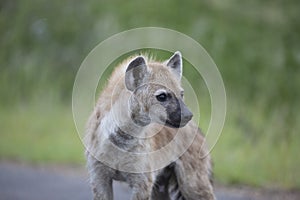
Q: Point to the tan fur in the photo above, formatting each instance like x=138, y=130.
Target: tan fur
x=193, y=168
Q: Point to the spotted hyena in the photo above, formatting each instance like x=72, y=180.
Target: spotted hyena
x=142, y=110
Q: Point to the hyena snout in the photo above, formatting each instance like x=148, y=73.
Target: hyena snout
x=186, y=115
x=180, y=116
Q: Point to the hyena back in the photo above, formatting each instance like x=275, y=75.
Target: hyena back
x=141, y=110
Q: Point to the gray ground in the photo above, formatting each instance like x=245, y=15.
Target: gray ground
x=26, y=182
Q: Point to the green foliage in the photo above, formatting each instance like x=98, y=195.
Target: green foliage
x=254, y=43
x=257, y=152
x=40, y=133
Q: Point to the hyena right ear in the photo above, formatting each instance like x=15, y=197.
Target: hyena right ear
x=135, y=73
x=175, y=63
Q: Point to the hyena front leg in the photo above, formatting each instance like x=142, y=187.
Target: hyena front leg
x=141, y=187
x=103, y=190
x=194, y=182
x=141, y=193
x=100, y=180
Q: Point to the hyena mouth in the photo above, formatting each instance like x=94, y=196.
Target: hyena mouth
x=175, y=125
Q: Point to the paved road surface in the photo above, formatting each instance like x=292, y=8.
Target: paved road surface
x=23, y=182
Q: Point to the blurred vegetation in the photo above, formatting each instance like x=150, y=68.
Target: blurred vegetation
x=254, y=43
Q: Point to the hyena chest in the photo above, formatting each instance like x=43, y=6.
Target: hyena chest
x=120, y=176
x=120, y=148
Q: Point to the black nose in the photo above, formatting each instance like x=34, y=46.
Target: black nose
x=186, y=115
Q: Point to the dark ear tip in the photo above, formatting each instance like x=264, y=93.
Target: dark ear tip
x=140, y=60
x=176, y=56
x=178, y=53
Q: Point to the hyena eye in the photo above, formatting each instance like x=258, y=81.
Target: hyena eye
x=161, y=97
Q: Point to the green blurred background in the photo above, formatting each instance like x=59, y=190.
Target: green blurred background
x=254, y=43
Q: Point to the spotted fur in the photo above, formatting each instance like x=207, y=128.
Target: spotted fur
x=129, y=116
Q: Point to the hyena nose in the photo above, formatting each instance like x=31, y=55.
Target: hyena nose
x=186, y=115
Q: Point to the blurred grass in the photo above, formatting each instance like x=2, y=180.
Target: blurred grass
x=255, y=44
x=39, y=134
x=261, y=161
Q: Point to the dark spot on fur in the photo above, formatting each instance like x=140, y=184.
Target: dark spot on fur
x=161, y=190
x=120, y=138
x=97, y=115
x=94, y=190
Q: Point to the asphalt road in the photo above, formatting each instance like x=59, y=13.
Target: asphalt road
x=25, y=182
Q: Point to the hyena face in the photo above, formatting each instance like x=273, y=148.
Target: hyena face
x=156, y=92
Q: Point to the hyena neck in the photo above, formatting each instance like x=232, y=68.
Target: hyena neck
x=122, y=139
x=123, y=132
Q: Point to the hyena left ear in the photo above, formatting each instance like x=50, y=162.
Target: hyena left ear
x=175, y=63
x=135, y=73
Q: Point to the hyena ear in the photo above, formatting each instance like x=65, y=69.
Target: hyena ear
x=175, y=63
x=135, y=73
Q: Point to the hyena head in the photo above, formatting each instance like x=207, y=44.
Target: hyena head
x=157, y=95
